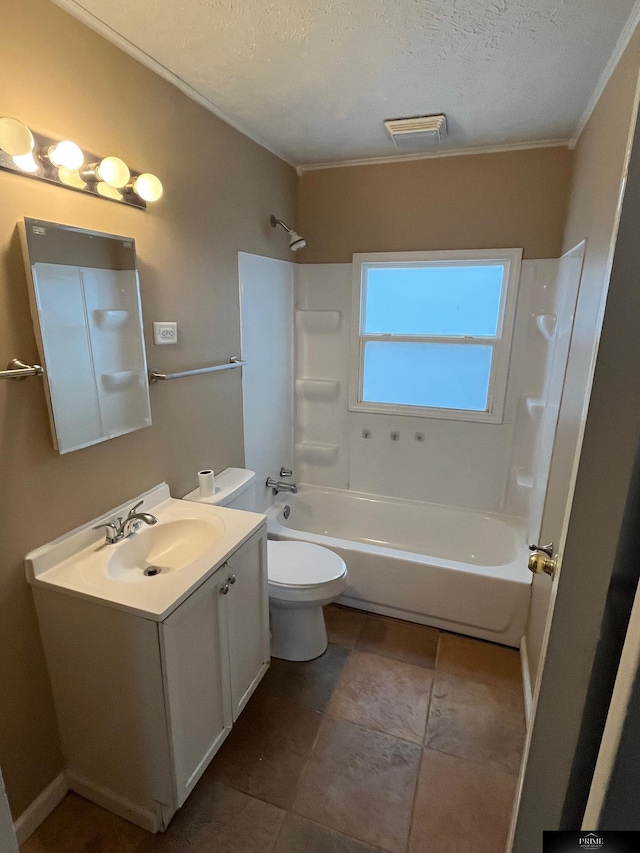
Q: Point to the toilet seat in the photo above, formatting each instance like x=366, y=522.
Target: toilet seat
x=303, y=572
x=302, y=564
x=302, y=579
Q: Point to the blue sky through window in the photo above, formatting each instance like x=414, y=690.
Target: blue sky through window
x=447, y=376
x=433, y=300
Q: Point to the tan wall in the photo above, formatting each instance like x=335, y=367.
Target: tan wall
x=482, y=201
x=220, y=188
x=599, y=166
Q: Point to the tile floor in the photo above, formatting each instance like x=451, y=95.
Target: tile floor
x=400, y=738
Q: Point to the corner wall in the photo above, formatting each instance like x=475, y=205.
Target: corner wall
x=220, y=187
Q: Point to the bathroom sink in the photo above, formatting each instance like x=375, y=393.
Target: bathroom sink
x=154, y=569
x=163, y=548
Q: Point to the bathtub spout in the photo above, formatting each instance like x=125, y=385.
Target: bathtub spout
x=277, y=486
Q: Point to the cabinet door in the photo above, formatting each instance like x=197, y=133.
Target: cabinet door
x=248, y=618
x=196, y=670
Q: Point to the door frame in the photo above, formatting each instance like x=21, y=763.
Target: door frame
x=622, y=692
x=603, y=478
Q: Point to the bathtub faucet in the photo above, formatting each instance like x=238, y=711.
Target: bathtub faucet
x=280, y=486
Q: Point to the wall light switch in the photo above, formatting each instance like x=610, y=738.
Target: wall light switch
x=165, y=333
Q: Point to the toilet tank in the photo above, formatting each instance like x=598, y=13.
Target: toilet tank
x=235, y=488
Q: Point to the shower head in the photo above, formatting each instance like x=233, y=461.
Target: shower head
x=295, y=240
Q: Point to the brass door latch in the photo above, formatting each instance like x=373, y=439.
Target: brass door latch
x=542, y=560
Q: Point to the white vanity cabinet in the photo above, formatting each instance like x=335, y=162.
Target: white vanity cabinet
x=215, y=650
x=247, y=610
x=143, y=705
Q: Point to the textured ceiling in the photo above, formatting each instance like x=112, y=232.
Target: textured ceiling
x=315, y=79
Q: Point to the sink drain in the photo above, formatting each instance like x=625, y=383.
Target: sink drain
x=150, y=571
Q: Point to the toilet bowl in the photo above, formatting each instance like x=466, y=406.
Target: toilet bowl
x=302, y=579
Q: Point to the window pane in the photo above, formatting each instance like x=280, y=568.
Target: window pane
x=447, y=376
x=433, y=300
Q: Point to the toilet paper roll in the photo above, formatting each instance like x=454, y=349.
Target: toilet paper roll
x=207, y=483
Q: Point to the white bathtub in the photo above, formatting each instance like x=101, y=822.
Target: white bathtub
x=456, y=569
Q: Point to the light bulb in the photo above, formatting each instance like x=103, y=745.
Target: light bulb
x=113, y=171
x=107, y=191
x=71, y=178
x=15, y=137
x=66, y=154
x=148, y=187
x=26, y=162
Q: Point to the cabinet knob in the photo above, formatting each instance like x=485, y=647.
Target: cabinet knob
x=232, y=579
x=225, y=589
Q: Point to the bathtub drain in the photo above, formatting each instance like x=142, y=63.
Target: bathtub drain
x=287, y=511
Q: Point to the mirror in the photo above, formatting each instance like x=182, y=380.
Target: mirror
x=85, y=305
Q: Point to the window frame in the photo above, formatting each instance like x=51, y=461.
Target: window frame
x=511, y=259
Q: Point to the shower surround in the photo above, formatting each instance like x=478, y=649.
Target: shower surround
x=430, y=515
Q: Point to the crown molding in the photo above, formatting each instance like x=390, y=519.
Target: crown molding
x=74, y=7
x=621, y=45
x=431, y=155
x=93, y=22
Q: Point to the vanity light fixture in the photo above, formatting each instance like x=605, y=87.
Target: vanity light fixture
x=15, y=137
x=71, y=178
x=66, y=155
x=26, y=162
x=147, y=186
x=62, y=162
x=111, y=170
x=107, y=191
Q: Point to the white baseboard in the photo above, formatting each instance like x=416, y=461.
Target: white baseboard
x=41, y=808
x=526, y=680
x=53, y=794
x=147, y=819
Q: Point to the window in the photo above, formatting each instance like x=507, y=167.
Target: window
x=432, y=333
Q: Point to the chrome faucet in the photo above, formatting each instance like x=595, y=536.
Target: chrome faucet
x=280, y=486
x=133, y=521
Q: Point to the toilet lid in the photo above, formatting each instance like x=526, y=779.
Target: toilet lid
x=302, y=564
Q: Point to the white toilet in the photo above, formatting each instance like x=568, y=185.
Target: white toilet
x=302, y=577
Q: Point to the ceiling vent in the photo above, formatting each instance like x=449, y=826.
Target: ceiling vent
x=415, y=134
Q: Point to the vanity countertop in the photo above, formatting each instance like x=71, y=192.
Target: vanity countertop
x=189, y=542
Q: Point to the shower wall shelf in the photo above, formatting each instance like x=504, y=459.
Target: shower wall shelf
x=317, y=454
x=318, y=390
x=154, y=376
x=535, y=407
x=18, y=369
x=524, y=483
x=546, y=323
x=318, y=321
